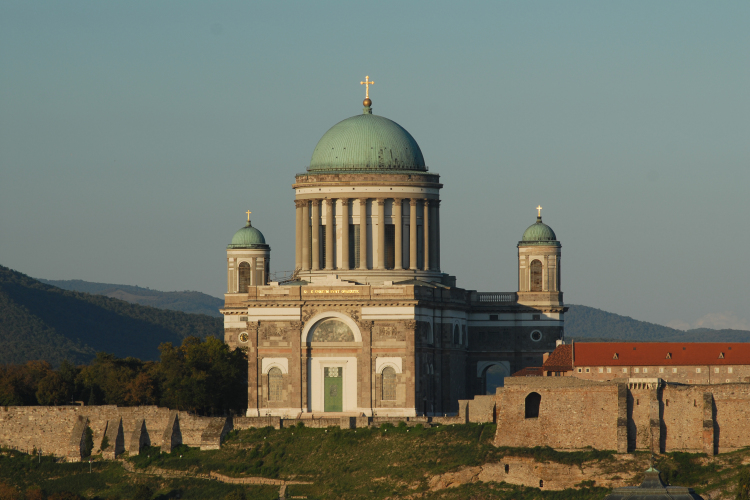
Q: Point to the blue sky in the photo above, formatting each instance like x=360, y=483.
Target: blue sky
x=134, y=135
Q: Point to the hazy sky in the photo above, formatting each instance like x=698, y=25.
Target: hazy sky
x=134, y=136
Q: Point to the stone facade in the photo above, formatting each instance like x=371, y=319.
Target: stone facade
x=438, y=341
x=624, y=415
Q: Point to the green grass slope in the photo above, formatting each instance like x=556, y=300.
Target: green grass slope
x=39, y=321
x=189, y=302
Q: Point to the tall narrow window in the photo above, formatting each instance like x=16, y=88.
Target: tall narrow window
x=420, y=247
x=536, y=276
x=533, y=401
x=323, y=229
x=456, y=335
x=275, y=383
x=389, y=384
x=267, y=268
x=390, y=246
x=353, y=246
x=244, y=277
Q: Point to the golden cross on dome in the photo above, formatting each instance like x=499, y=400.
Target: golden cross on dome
x=248, y=215
x=367, y=84
x=539, y=211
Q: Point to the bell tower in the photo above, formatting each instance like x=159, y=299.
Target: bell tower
x=539, y=265
x=248, y=259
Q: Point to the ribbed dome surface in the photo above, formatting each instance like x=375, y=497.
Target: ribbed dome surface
x=367, y=142
x=539, y=233
x=247, y=237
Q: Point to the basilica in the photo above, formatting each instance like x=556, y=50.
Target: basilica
x=369, y=324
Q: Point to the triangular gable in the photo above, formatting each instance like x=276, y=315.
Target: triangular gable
x=669, y=355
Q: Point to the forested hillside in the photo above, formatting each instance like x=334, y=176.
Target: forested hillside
x=189, y=302
x=589, y=324
x=39, y=321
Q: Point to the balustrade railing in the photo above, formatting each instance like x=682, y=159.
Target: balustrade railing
x=497, y=297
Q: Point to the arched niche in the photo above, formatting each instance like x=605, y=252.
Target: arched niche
x=531, y=405
x=329, y=320
x=493, y=377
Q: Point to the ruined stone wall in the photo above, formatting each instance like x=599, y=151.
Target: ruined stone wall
x=732, y=415
x=573, y=414
x=52, y=429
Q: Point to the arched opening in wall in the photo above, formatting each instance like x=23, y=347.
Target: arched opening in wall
x=536, y=276
x=428, y=333
x=275, y=384
x=494, y=377
x=456, y=335
x=244, y=277
x=532, y=405
x=389, y=384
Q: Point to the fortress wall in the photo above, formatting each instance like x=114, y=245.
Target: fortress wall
x=639, y=430
x=732, y=416
x=682, y=418
x=573, y=414
x=156, y=420
x=46, y=428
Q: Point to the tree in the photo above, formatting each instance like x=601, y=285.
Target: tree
x=52, y=390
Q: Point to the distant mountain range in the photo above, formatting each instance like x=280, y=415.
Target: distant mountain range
x=40, y=321
x=189, y=302
x=587, y=324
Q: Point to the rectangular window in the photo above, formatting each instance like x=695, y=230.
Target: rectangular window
x=587, y=370
x=661, y=370
x=390, y=246
x=493, y=317
x=645, y=370
x=624, y=370
x=609, y=369
x=716, y=370
x=674, y=370
x=637, y=370
x=601, y=370
x=353, y=246
x=536, y=317
x=697, y=370
x=580, y=370
x=730, y=370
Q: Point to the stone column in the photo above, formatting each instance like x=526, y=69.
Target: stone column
x=381, y=233
x=426, y=226
x=397, y=207
x=315, y=235
x=344, y=233
x=298, y=234
x=305, y=235
x=433, y=234
x=436, y=225
x=413, y=233
x=253, y=266
x=363, y=233
x=329, y=234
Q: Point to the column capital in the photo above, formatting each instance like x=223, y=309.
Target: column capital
x=300, y=203
x=397, y=200
x=380, y=201
x=344, y=201
x=413, y=201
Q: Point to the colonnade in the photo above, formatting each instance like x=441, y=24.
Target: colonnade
x=308, y=230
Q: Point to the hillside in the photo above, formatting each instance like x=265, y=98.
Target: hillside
x=189, y=302
x=40, y=321
x=587, y=324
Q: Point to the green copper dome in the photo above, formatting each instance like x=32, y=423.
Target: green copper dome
x=248, y=237
x=366, y=143
x=539, y=233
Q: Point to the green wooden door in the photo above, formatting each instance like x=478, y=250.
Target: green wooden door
x=333, y=386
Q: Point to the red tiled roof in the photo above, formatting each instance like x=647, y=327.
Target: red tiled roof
x=560, y=360
x=529, y=371
x=660, y=353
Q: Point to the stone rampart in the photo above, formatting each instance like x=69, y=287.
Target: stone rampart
x=564, y=413
x=576, y=413
x=60, y=430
